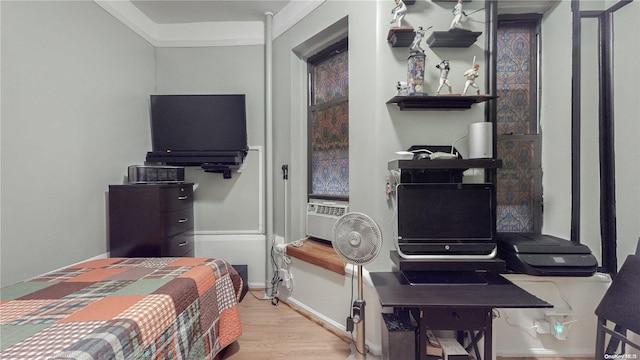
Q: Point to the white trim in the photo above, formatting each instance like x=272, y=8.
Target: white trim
x=236, y=249
x=545, y=353
x=203, y=34
x=219, y=237
x=229, y=232
x=231, y=33
x=321, y=317
x=261, y=185
x=349, y=269
x=260, y=230
x=132, y=17
x=374, y=348
x=292, y=14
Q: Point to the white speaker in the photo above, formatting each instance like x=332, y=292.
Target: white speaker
x=481, y=140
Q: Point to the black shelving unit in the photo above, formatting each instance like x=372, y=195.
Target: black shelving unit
x=446, y=102
x=426, y=164
x=454, y=38
x=401, y=36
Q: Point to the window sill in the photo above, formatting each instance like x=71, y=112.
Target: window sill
x=319, y=254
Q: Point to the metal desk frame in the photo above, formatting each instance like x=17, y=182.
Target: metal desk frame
x=462, y=307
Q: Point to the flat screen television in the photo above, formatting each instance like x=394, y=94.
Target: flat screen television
x=445, y=219
x=196, y=129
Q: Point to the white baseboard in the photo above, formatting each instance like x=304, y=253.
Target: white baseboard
x=547, y=353
x=375, y=349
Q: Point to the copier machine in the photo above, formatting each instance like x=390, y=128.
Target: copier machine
x=545, y=255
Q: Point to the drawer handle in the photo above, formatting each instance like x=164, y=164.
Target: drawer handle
x=182, y=221
x=183, y=243
x=183, y=197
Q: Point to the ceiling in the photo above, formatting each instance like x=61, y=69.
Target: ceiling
x=188, y=23
x=188, y=11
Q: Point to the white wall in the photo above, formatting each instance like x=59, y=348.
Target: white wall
x=556, y=128
x=229, y=213
x=91, y=89
x=555, y=116
x=378, y=130
x=514, y=330
x=627, y=129
x=221, y=204
x=75, y=85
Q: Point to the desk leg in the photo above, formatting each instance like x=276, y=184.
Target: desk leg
x=422, y=338
x=488, y=335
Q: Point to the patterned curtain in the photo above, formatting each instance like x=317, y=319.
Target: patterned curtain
x=329, y=127
x=516, y=179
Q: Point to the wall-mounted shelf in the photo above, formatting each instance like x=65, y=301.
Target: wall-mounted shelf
x=442, y=102
x=401, y=36
x=453, y=38
x=422, y=164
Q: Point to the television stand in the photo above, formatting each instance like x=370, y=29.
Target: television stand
x=225, y=170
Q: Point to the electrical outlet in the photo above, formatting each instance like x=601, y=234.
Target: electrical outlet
x=287, y=278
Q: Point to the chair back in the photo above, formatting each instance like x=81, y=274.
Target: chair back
x=620, y=302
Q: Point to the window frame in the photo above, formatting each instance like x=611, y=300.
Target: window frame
x=324, y=54
x=533, y=21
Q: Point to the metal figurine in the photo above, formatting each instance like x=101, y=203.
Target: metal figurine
x=444, y=74
x=399, y=11
x=471, y=75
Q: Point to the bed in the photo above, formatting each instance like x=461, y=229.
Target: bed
x=123, y=308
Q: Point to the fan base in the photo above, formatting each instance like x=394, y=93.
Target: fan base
x=355, y=355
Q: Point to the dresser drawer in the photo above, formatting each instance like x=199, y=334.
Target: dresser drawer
x=179, y=245
x=454, y=319
x=176, y=221
x=175, y=197
x=151, y=220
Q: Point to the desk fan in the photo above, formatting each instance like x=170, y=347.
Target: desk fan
x=357, y=239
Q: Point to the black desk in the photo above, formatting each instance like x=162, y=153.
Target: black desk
x=453, y=306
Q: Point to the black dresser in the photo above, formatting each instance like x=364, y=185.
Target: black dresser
x=151, y=220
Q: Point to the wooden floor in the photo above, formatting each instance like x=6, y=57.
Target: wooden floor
x=279, y=332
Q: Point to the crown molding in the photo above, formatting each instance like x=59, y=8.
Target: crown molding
x=233, y=33
x=292, y=13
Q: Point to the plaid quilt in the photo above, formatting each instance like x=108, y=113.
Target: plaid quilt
x=123, y=308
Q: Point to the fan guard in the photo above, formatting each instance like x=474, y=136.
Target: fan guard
x=357, y=238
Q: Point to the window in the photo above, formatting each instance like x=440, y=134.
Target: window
x=328, y=123
x=519, y=189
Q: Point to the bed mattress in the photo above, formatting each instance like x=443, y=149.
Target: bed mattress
x=123, y=308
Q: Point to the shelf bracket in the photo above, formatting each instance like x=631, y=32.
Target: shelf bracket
x=215, y=168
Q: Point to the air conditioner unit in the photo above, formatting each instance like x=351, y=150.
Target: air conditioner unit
x=321, y=217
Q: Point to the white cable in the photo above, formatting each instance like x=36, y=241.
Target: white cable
x=456, y=140
x=524, y=329
x=557, y=287
x=297, y=243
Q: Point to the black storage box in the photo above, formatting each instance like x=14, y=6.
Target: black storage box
x=398, y=337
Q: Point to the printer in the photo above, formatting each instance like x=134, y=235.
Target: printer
x=545, y=255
